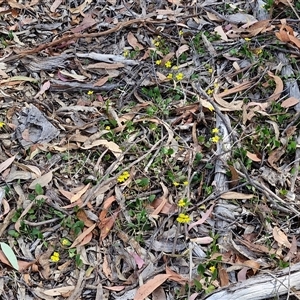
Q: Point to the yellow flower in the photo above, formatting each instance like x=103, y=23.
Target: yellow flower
x=175, y=183
x=157, y=43
x=158, y=62
x=181, y=203
x=90, y=92
x=107, y=127
x=2, y=124
x=170, y=76
x=126, y=53
x=210, y=107
x=174, y=68
x=179, y=76
x=180, y=32
x=183, y=218
x=215, y=139
x=65, y=242
x=210, y=91
x=125, y=175
x=247, y=39
x=212, y=269
x=55, y=257
x=210, y=70
x=215, y=130
x=168, y=64
x=185, y=183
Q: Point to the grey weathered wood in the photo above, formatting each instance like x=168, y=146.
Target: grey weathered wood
x=262, y=286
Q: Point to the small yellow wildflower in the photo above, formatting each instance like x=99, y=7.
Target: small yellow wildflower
x=216, y=85
x=180, y=32
x=168, y=64
x=2, y=124
x=156, y=44
x=181, y=203
x=183, y=218
x=170, y=76
x=215, y=139
x=210, y=91
x=55, y=257
x=185, y=183
x=215, y=130
x=212, y=269
x=258, y=51
x=90, y=93
x=210, y=70
x=125, y=175
x=107, y=127
x=210, y=107
x=126, y=53
x=247, y=39
x=179, y=76
x=175, y=68
x=158, y=62
x=65, y=242
x=175, y=183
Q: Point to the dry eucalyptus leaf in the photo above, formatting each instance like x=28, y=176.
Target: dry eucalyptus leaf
x=44, y=180
x=280, y=237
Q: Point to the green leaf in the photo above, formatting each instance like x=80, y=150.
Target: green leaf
x=10, y=255
x=39, y=189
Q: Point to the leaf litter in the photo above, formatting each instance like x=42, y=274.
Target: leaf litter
x=120, y=177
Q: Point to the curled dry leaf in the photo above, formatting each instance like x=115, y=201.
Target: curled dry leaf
x=280, y=237
x=279, y=87
x=253, y=156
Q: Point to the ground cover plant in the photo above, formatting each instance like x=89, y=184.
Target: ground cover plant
x=149, y=149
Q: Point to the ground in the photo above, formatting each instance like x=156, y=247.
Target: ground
x=150, y=149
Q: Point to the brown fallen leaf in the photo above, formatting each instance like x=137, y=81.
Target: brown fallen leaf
x=58, y=291
x=7, y=163
x=78, y=195
x=44, y=180
x=175, y=276
x=203, y=219
x=275, y=155
x=289, y=102
x=87, y=22
x=241, y=275
x=107, y=224
x=146, y=289
x=223, y=276
x=281, y=238
x=293, y=250
x=105, y=66
x=133, y=42
x=279, y=87
x=80, y=238
x=82, y=216
x=253, y=156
